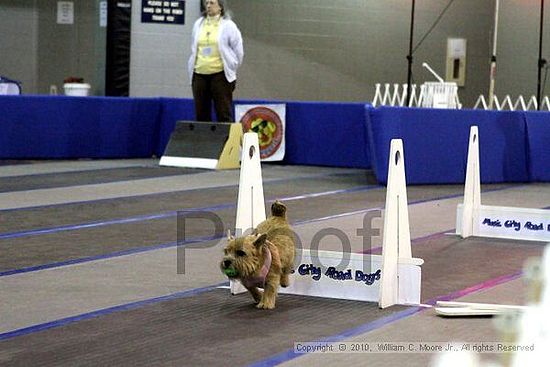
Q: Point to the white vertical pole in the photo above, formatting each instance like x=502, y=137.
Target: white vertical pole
x=493, y=59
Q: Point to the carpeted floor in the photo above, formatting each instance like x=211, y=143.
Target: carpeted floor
x=95, y=282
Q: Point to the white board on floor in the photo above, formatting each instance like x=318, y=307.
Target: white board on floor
x=354, y=276
x=509, y=222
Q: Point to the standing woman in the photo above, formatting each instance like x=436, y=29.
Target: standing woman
x=216, y=54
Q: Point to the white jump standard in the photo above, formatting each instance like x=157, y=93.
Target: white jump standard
x=391, y=278
x=250, y=202
x=474, y=219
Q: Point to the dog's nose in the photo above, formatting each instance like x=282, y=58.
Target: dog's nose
x=226, y=263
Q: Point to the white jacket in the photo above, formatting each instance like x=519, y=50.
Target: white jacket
x=230, y=44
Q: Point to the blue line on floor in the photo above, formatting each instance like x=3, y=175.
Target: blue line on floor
x=165, y=215
x=106, y=311
x=131, y=251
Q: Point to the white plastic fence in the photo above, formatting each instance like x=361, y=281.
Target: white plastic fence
x=521, y=103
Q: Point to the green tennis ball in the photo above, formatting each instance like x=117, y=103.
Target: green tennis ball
x=230, y=272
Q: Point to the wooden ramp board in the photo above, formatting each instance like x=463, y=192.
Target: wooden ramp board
x=210, y=145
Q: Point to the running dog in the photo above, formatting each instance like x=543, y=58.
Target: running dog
x=263, y=259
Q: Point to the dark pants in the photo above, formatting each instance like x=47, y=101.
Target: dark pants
x=213, y=87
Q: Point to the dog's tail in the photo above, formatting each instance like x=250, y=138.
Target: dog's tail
x=278, y=209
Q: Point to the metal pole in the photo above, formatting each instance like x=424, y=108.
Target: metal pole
x=493, y=60
x=542, y=62
x=410, y=56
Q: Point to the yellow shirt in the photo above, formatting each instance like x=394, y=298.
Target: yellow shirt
x=209, y=60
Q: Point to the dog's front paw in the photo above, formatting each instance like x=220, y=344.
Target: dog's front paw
x=265, y=305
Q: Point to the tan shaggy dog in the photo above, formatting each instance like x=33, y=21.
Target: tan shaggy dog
x=263, y=259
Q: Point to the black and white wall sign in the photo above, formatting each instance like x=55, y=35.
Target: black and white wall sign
x=162, y=11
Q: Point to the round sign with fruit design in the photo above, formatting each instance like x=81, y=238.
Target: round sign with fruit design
x=267, y=124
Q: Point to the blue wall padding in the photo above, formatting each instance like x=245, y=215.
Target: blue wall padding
x=514, y=146
x=435, y=143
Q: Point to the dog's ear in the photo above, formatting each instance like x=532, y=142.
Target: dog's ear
x=229, y=237
x=260, y=240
